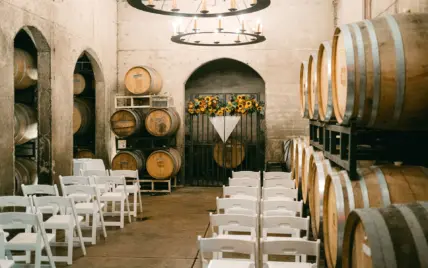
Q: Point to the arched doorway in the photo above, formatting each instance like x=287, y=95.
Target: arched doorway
x=209, y=160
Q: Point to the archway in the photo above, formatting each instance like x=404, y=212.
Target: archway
x=208, y=160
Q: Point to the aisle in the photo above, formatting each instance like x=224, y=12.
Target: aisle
x=166, y=237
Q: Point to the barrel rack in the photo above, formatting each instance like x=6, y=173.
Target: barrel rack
x=345, y=145
x=145, y=101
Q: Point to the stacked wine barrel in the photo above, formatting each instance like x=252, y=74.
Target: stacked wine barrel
x=371, y=73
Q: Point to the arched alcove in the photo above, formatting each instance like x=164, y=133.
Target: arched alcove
x=208, y=160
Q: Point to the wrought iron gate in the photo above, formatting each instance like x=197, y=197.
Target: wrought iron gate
x=208, y=160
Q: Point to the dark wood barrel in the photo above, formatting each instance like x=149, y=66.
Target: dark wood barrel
x=308, y=158
x=129, y=160
x=84, y=153
x=312, y=87
x=25, y=173
x=379, y=72
x=83, y=116
x=79, y=84
x=229, y=154
x=303, y=92
x=324, y=83
x=143, y=80
x=164, y=164
x=127, y=122
x=375, y=187
x=25, y=69
x=395, y=236
x=162, y=122
x=25, y=123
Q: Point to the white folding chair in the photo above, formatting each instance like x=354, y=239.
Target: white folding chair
x=241, y=192
x=41, y=189
x=246, y=174
x=96, y=172
x=121, y=197
x=229, y=245
x=267, y=175
x=284, y=225
x=28, y=241
x=281, y=207
x=228, y=204
x=226, y=223
x=267, y=183
x=92, y=207
x=4, y=263
x=133, y=189
x=279, y=193
x=64, y=218
x=290, y=247
x=247, y=182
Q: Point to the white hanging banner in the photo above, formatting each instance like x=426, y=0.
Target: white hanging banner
x=224, y=125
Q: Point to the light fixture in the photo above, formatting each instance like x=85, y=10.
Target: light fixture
x=201, y=7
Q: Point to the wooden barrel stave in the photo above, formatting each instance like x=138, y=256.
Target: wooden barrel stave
x=312, y=87
x=83, y=116
x=162, y=122
x=308, y=153
x=164, y=164
x=79, y=84
x=229, y=154
x=143, y=80
x=303, y=90
x=25, y=69
x=25, y=173
x=25, y=123
x=127, y=122
x=129, y=160
x=324, y=83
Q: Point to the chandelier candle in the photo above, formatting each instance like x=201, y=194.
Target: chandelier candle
x=195, y=23
x=242, y=24
x=254, y=2
x=219, y=23
x=233, y=4
x=258, y=26
x=150, y=4
x=204, y=7
x=174, y=5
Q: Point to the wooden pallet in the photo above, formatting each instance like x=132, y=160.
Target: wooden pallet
x=154, y=181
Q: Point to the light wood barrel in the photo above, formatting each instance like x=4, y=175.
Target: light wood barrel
x=312, y=87
x=25, y=123
x=308, y=158
x=25, y=69
x=84, y=153
x=376, y=187
x=25, y=173
x=229, y=154
x=143, y=80
x=324, y=83
x=129, y=160
x=298, y=161
x=162, y=122
x=379, y=72
x=83, y=116
x=303, y=91
x=79, y=84
x=164, y=164
x=396, y=236
x=127, y=122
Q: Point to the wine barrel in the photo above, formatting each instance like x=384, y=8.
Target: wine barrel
x=324, y=83
x=84, y=153
x=229, y=154
x=143, y=80
x=396, y=236
x=303, y=92
x=378, y=72
x=83, y=116
x=79, y=84
x=298, y=161
x=308, y=158
x=162, y=122
x=25, y=123
x=129, y=160
x=25, y=173
x=164, y=164
x=312, y=87
x=376, y=187
x=127, y=122
x=25, y=69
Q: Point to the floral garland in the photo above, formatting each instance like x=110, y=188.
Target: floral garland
x=238, y=105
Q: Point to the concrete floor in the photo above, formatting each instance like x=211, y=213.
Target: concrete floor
x=164, y=238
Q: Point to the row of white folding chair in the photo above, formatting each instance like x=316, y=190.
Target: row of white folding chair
x=279, y=193
x=266, y=174
x=267, y=183
x=278, y=247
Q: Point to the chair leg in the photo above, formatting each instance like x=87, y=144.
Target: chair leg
x=79, y=234
x=102, y=224
x=122, y=213
x=70, y=246
x=127, y=209
x=135, y=205
x=38, y=258
x=94, y=228
x=141, y=203
x=27, y=257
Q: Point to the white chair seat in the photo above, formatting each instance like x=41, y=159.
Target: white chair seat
x=80, y=197
x=60, y=221
x=87, y=208
x=6, y=263
x=231, y=264
x=278, y=264
x=241, y=237
x=22, y=240
x=112, y=196
x=129, y=188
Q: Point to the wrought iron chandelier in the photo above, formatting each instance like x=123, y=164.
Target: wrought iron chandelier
x=204, y=8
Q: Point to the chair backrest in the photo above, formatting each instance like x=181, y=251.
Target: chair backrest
x=247, y=182
x=40, y=189
x=111, y=181
x=267, y=183
x=281, y=205
x=284, y=225
x=216, y=245
x=229, y=203
x=79, y=180
x=58, y=203
x=126, y=173
x=246, y=174
x=234, y=222
x=241, y=191
x=84, y=190
x=93, y=172
x=15, y=201
x=279, y=192
x=2, y=245
x=94, y=164
x=279, y=212
x=267, y=175
x=239, y=211
x=291, y=247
